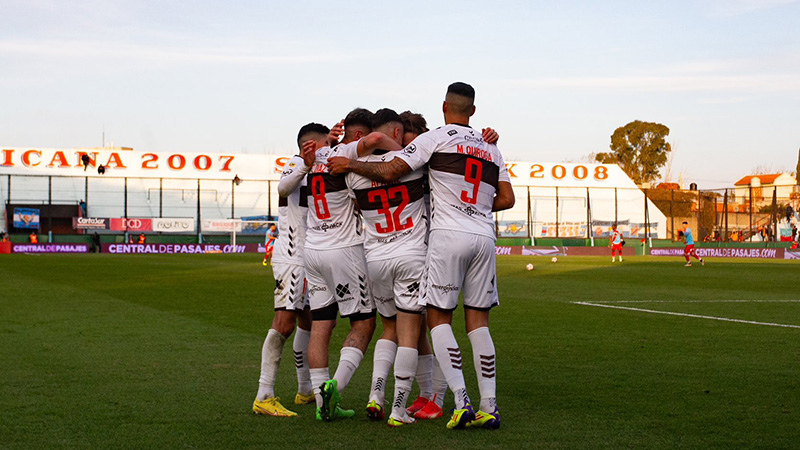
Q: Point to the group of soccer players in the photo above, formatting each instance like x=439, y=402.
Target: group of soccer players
x=394, y=220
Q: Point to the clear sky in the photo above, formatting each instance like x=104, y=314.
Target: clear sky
x=555, y=78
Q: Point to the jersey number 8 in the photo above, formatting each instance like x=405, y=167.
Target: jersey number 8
x=318, y=194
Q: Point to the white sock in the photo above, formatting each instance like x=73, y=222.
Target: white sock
x=439, y=384
x=404, y=368
x=425, y=376
x=382, y=360
x=300, y=348
x=318, y=376
x=348, y=363
x=449, y=355
x=484, y=358
x=270, y=361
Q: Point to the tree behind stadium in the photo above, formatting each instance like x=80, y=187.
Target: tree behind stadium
x=640, y=149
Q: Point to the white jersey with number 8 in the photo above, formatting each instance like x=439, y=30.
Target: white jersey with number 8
x=333, y=220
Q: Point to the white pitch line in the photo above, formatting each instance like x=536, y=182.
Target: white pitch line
x=696, y=316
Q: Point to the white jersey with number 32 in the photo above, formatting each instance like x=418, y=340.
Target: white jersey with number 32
x=463, y=172
x=394, y=214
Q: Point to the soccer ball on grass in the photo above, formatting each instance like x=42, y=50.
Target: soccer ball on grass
x=529, y=266
x=555, y=260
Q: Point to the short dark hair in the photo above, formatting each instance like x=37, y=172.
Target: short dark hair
x=413, y=122
x=358, y=116
x=462, y=89
x=312, y=128
x=686, y=223
x=384, y=116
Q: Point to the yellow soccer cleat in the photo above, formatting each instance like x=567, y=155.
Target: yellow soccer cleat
x=271, y=407
x=489, y=421
x=303, y=399
x=461, y=417
x=394, y=422
x=375, y=410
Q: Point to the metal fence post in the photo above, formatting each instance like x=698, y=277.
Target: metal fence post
x=86, y=195
x=233, y=197
x=671, y=216
x=530, y=232
x=557, y=235
x=160, y=197
x=199, y=233
x=50, y=209
x=750, y=209
x=589, y=219
x=616, y=210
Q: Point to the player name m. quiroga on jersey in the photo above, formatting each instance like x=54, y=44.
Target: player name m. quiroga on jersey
x=333, y=221
x=396, y=224
x=463, y=173
x=292, y=212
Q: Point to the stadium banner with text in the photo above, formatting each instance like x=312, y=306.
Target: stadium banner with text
x=763, y=253
x=50, y=248
x=26, y=218
x=169, y=249
x=177, y=225
x=131, y=224
x=90, y=223
x=221, y=226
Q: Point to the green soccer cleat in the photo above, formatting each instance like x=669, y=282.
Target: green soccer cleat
x=461, y=417
x=330, y=399
x=340, y=413
x=394, y=422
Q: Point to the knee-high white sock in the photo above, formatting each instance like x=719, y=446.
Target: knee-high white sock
x=439, y=384
x=270, y=361
x=424, y=376
x=382, y=360
x=300, y=348
x=348, y=363
x=318, y=376
x=483, y=356
x=404, y=368
x=449, y=355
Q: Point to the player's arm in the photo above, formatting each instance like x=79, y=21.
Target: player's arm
x=376, y=140
x=385, y=172
x=291, y=179
x=504, y=197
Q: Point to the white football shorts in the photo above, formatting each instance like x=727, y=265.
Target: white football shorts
x=339, y=276
x=290, y=286
x=395, y=284
x=457, y=262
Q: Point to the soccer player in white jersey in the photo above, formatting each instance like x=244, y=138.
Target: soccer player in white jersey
x=336, y=269
x=291, y=302
x=468, y=182
x=395, y=248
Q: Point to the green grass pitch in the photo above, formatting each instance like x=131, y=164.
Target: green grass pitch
x=102, y=351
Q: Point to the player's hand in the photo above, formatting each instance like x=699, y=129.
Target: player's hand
x=309, y=153
x=490, y=135
x=338, y=165
x=336, y=132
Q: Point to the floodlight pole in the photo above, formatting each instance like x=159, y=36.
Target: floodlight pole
x=589, y=233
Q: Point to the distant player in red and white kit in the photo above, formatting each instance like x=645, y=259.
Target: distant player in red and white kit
x=615, y=242
x=336, y=269
x=468, y=181
x=269, y=245
x=689, y=250
x=291, y=302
